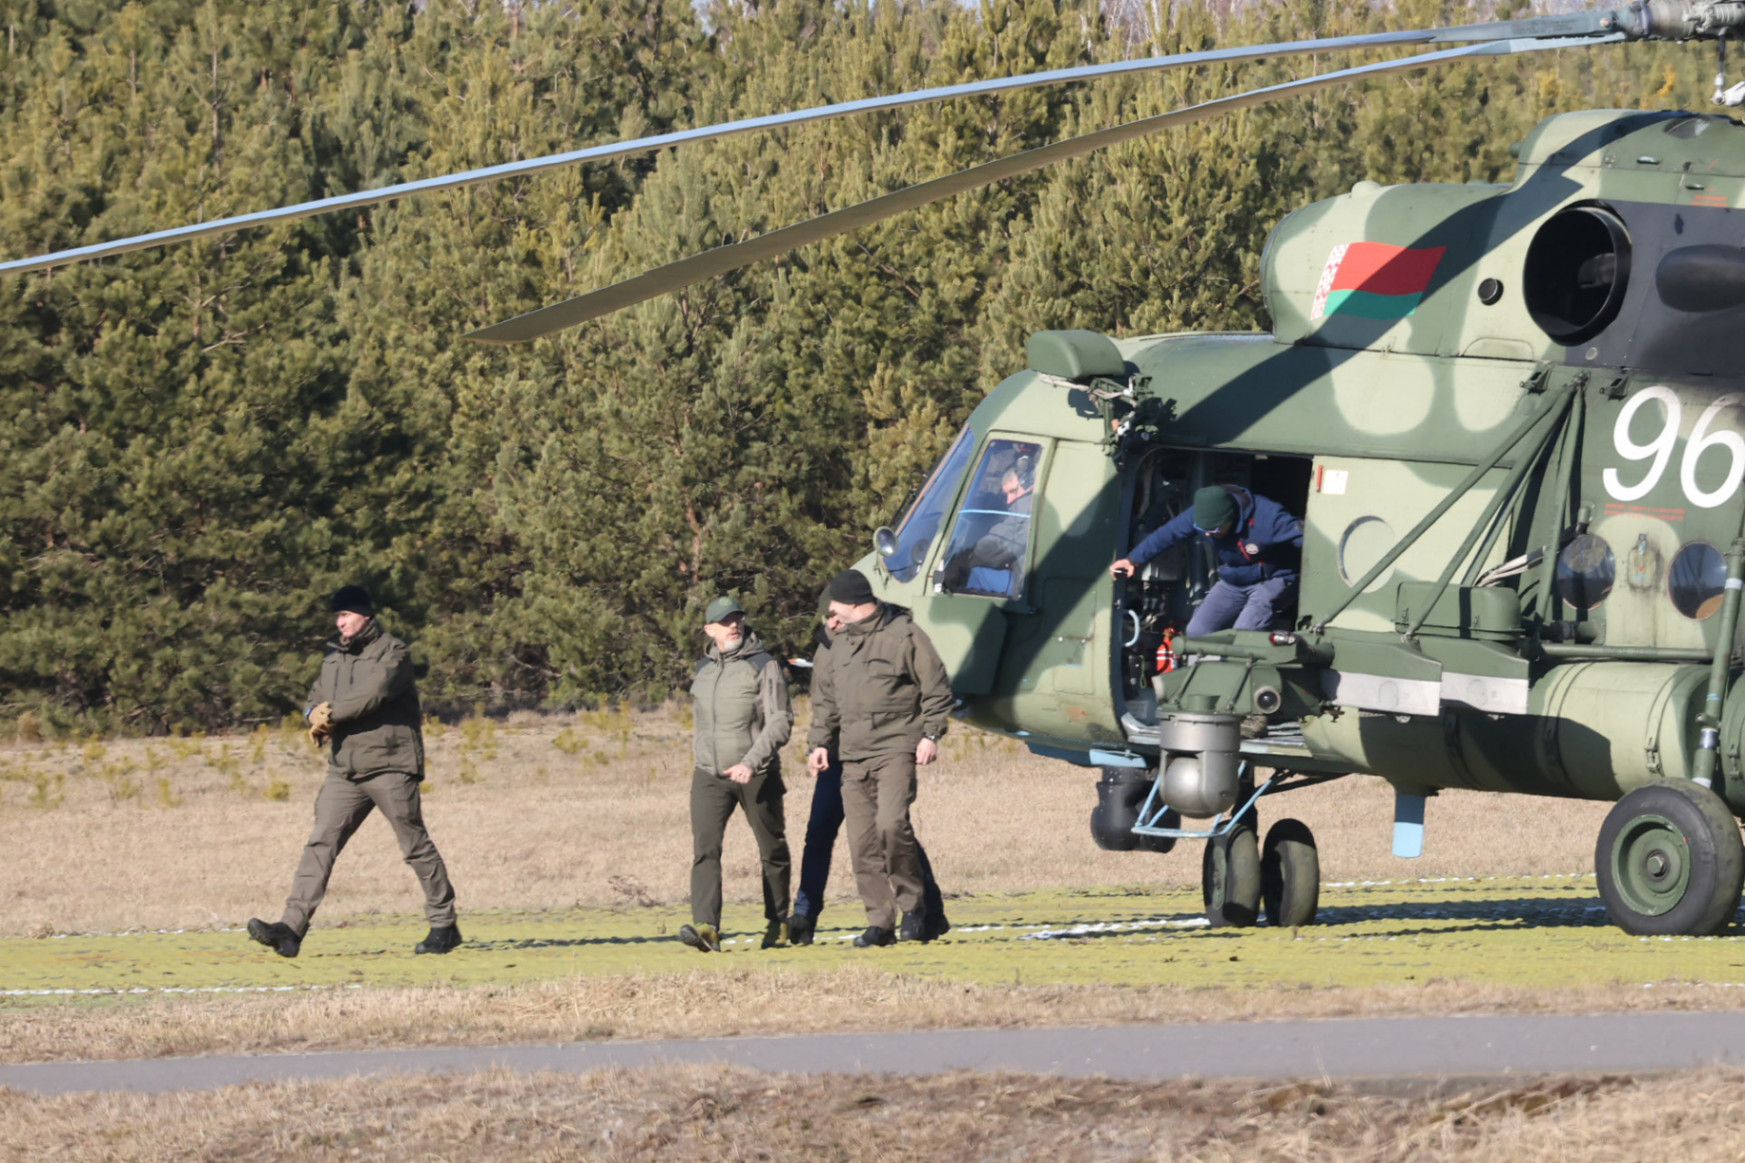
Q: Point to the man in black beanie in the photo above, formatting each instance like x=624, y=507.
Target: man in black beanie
x=882, y=696
x=364, y=708
x=825, y=818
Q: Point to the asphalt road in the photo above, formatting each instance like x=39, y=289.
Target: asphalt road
x=1362, y=1049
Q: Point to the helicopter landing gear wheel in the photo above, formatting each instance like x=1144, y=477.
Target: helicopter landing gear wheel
x=1230, y=877
x=1290, y=875
x=1670, y=861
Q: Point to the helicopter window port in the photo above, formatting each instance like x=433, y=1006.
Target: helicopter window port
x=1577, y=269
x=925, y=513
x=1586, y=570
x=990, y=544
x=1365, y=541
x=1698, y=580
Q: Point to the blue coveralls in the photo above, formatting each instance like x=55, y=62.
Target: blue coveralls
x=1258, y=563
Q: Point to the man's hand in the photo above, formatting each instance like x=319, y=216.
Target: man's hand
x=738, y=773
x=926, y=752
x=818, y=760
x=320, y=723
x=1123, y=568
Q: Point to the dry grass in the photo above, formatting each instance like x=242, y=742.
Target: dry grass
x=553, y=811
x=698, y=1112
x=591, y=809
x=734, y=1003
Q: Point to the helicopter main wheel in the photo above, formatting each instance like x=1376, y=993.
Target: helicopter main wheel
x=1230, y=877
x=1290, y=874
x=1670, y=861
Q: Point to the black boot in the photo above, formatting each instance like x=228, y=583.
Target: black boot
x=875, y=935
x=801, y=928
x=440, y=940
x=915, y=926
x=278, y=936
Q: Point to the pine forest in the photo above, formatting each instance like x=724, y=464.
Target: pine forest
x=203, y=441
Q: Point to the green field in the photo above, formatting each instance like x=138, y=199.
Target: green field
x=1545, y=931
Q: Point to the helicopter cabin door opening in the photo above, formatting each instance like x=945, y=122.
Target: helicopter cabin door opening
x=1162, y=597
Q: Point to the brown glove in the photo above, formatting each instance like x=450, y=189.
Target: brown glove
x=321, y=723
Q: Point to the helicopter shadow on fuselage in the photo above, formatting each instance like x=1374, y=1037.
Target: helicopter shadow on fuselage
x=1272, y=382
x=1220, y=418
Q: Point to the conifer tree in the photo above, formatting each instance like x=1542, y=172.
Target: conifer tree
x=203, y=440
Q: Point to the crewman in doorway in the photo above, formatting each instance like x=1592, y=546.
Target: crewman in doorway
x=1258, y=546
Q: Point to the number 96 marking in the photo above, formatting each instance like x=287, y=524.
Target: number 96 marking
x=1659, y=450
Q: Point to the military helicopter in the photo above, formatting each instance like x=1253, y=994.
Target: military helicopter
x=1509, y=418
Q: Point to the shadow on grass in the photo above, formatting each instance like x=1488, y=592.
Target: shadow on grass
x=507, y=946
x=1402, y=919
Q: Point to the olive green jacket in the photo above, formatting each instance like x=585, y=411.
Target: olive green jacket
x=879, y=688
x=740, y=708
x=376, y=717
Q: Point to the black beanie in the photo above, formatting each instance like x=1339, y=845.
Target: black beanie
x=354, y=599
x=851, y=588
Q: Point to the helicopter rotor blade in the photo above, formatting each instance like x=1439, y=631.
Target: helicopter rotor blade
x=1591, y=26
x=720, y=260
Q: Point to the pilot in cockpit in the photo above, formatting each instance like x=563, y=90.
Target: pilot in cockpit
x=994, y=562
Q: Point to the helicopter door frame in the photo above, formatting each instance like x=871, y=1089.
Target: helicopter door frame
x=965, y=624
x=979, y=537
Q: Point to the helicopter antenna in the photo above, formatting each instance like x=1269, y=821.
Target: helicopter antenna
x=1599, y=26
x=687, y=271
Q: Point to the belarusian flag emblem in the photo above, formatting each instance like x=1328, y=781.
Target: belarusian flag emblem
x=1374, y=280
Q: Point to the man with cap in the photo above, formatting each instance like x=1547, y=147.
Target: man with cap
x=882, y=697
x=825, y=819
x=1258, y=546
x=739, y=702
x=364, y=709
x=994, y=562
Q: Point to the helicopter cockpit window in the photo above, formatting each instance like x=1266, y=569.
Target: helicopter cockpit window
x=1585, y=571
x=990, y=543
x=920, y=522
x=1698, y=580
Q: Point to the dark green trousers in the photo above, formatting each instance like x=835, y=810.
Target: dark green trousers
x=713, y=798
x=340, y=807
x=876, y=794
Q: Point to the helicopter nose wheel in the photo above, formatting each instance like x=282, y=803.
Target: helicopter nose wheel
x=1290, y=874
x=1230, y=876
x=1670, y=861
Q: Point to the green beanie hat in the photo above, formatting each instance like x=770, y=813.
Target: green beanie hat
x=1214, y=508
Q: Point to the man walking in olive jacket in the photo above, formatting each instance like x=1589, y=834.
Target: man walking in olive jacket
x=739, y=703
x=825, y=820
x=883, y=696
x=364, y=708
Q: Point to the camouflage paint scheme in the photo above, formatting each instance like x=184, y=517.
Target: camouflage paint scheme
x=1395, y=412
